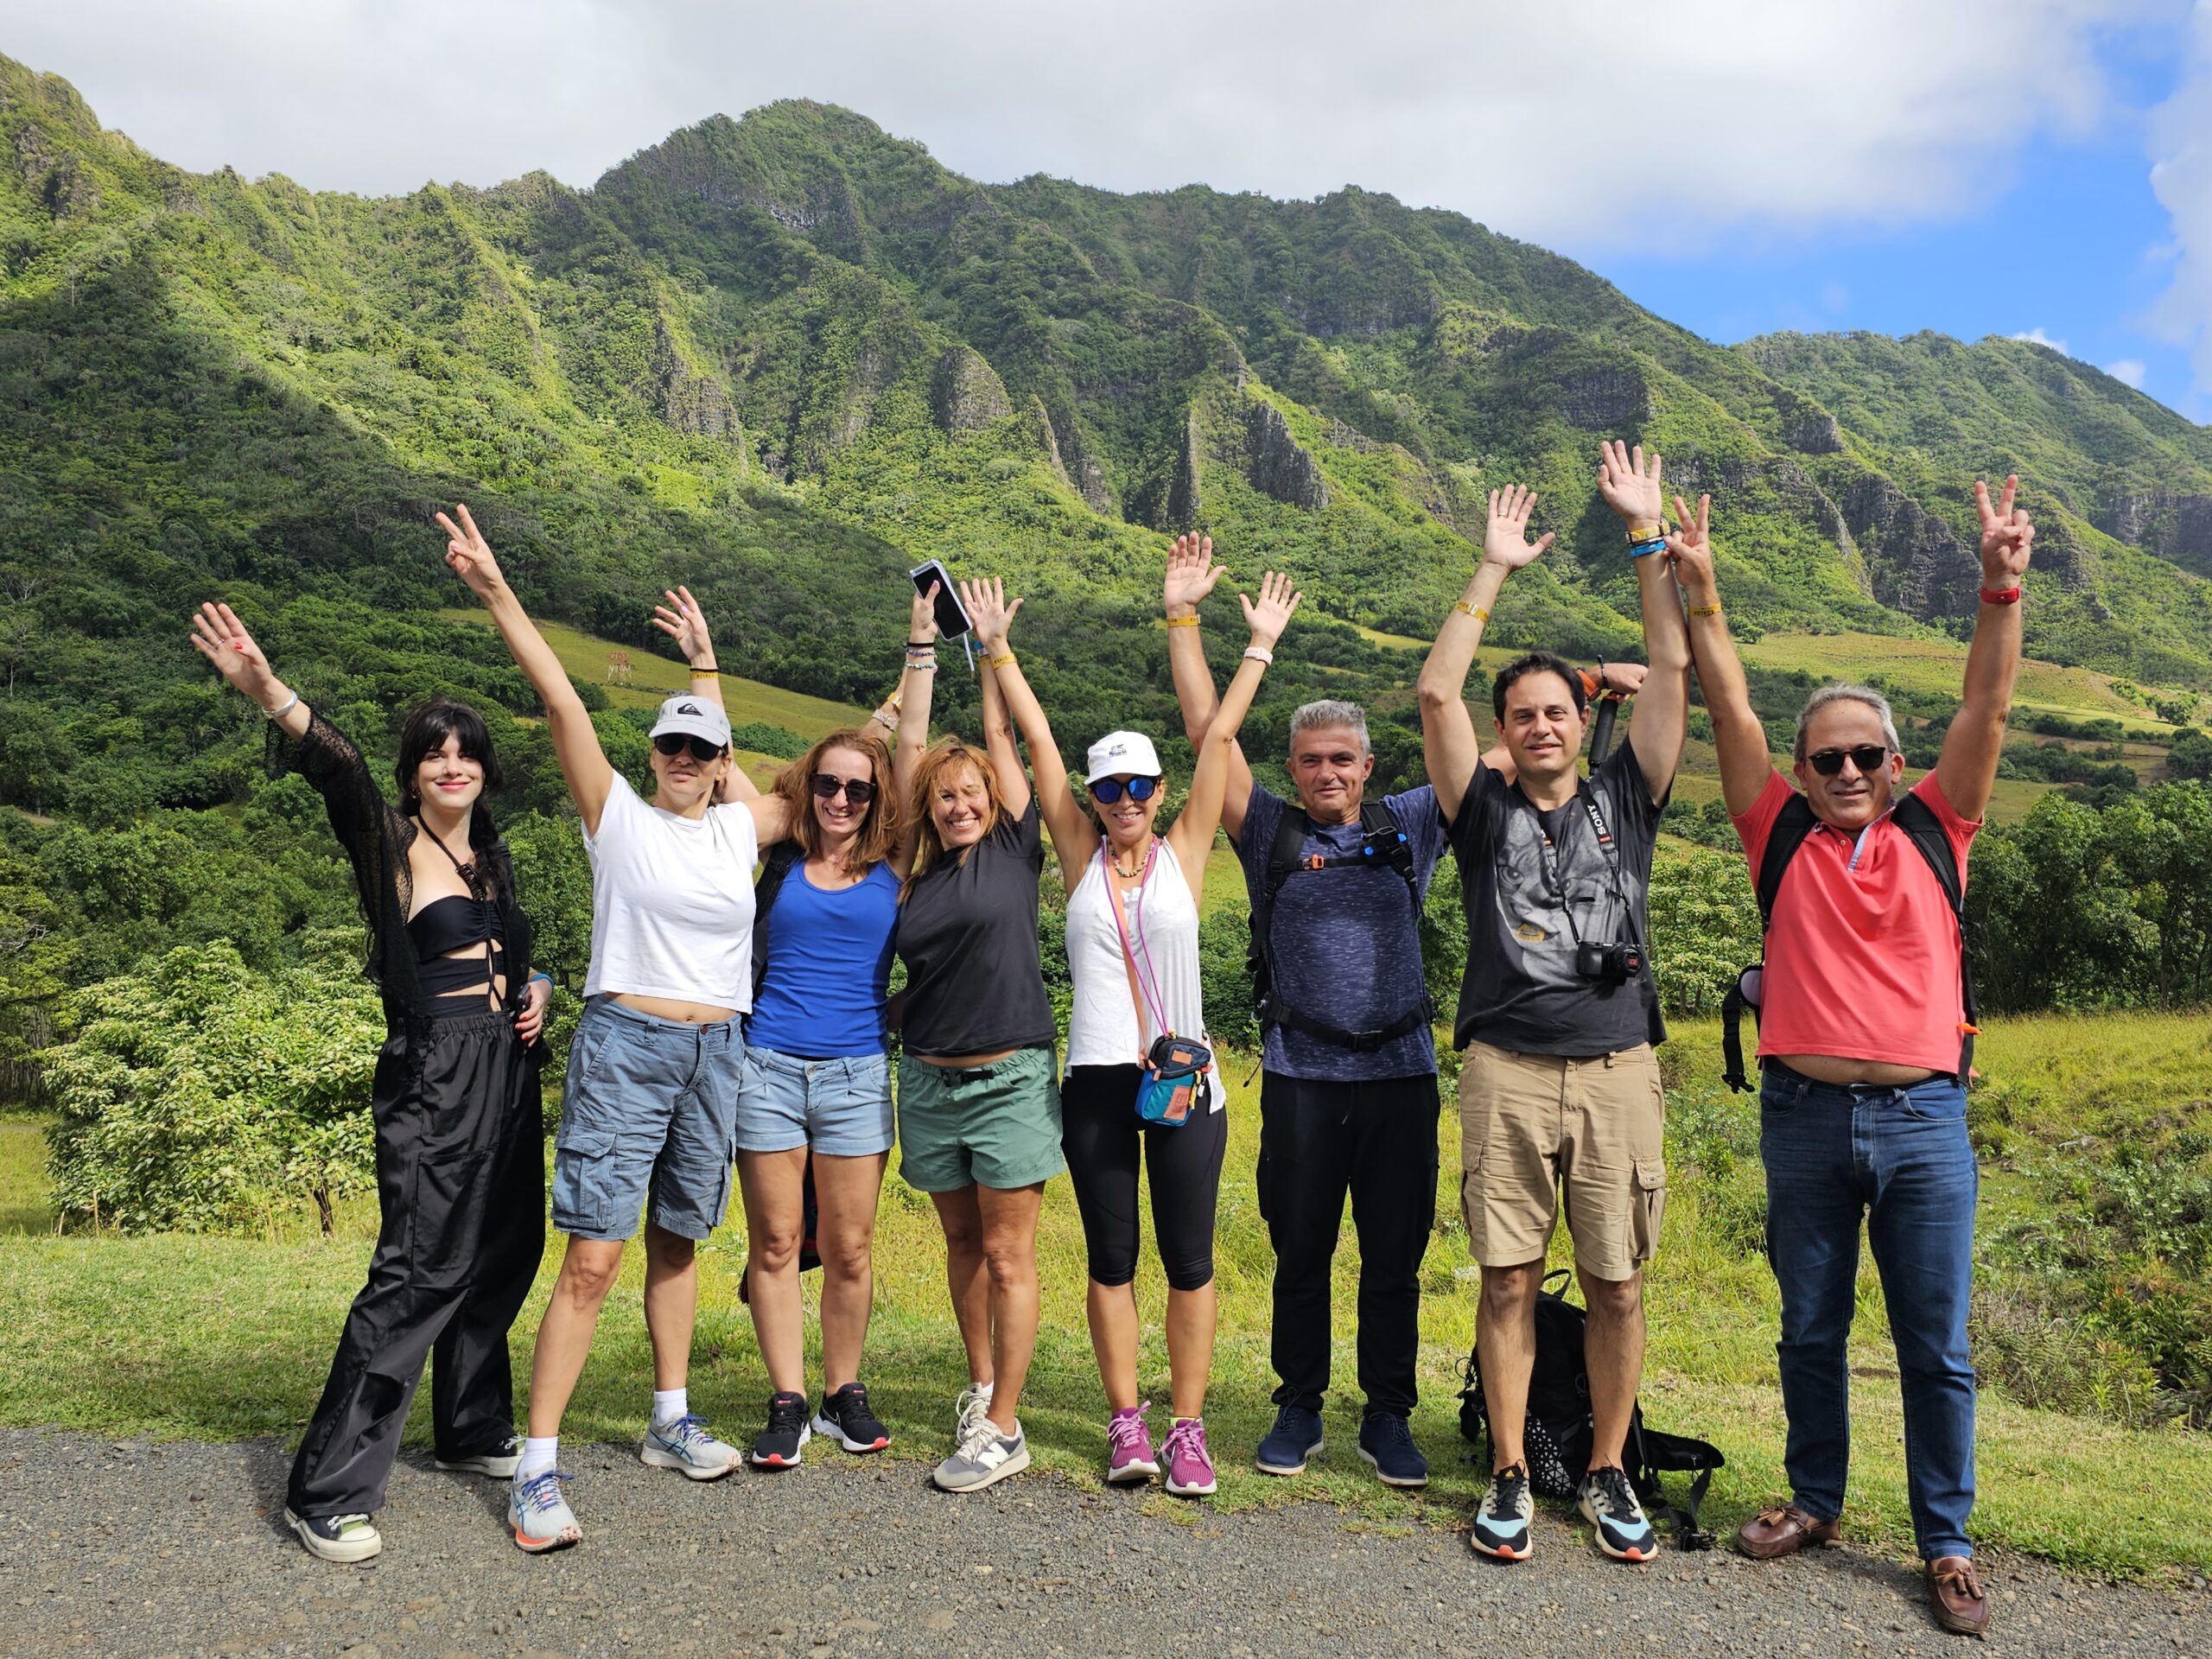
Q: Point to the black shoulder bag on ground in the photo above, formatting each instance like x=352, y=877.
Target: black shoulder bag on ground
x=1791, y=825
x=1555, y=1439
x=776, y=866
x=1382, y=844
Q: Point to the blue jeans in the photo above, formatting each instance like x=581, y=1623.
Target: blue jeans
x=1901, y=1158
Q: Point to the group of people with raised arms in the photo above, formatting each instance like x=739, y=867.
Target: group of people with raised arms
x=736, y=1023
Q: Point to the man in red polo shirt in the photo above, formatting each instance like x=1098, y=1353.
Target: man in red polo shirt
x=1862, y=1029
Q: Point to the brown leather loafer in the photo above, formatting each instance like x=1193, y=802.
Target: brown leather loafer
x=1783, y=1530
x=1954, y=1590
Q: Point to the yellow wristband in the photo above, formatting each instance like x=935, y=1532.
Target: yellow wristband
x=1705, y=610
x=1645, y=533
x=1006, y=661
x=1182, y=621
x=1475, y=611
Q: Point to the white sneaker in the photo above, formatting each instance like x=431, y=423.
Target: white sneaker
x=540, y=1514
x=686, y=1446
x=500, y=1464
x=337, y=1537
x=983, y=1457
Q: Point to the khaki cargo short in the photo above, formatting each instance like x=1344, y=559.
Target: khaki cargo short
x=1532, y=1124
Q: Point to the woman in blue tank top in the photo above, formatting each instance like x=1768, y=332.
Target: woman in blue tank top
x=814, y=1100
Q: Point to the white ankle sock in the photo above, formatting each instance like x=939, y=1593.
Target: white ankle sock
x=537, y=1456
x=669, y=1404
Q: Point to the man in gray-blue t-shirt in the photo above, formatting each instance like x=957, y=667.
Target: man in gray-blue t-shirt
x=1348, y=1098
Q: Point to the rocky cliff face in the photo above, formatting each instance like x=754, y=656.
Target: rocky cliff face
x=966, y=395
x=1278, y=465
x=2175, y=527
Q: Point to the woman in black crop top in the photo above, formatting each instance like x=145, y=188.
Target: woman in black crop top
x=461, y=1139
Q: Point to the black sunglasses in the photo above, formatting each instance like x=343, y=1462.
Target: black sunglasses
x=1869, y=758
x=672, y=744
x=857, y=790
x=1107, y=790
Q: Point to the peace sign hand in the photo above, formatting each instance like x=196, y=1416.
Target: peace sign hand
x=1268, y=619
x=681, y=620
x=1690, y=550
x=2007, y=536
x=1504, y=537
x=469, y=555
x=1192, y=574
x=219, y=637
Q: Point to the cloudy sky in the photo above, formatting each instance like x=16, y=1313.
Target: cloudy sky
x=2031, y=166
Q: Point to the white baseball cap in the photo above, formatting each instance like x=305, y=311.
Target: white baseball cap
x=1118, y=752
x=694, y=717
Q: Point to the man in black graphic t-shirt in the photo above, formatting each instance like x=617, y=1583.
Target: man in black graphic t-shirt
x=1559, y=1088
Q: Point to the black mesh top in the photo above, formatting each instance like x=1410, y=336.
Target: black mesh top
x=376, y=839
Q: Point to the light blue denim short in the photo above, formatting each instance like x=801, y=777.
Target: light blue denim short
x=647, y=1112
x=841, y=1107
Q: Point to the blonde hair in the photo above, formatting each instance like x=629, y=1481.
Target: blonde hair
x=878, y=830
x=940, y=758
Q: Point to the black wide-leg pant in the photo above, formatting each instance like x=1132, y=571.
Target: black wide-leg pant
x=460, y=1175
x=1377, y=1141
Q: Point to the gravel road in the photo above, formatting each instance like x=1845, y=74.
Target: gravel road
x=142, y=1549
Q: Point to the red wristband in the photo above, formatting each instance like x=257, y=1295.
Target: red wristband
x=2007, y=596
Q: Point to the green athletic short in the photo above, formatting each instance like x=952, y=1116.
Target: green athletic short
x=996, y=1125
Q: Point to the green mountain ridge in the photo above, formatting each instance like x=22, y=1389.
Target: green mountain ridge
x=783, y=357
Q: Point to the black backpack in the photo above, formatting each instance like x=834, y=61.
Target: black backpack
x=1795, y=821
x=775, y=867
x=1382, y=844
x=1555, y=1441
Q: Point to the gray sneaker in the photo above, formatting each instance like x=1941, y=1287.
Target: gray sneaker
x=686, y=1446
x=984, y=1456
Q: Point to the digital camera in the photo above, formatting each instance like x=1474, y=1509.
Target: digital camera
x=1609, y=965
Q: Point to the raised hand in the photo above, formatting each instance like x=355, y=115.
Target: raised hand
x=681, y=620
x=219, y=637
x=921, y=621
x=1268, y=619
x=1629, y=485
x=1689, y=550
x=1192, y=574
x=1505, y=542
x=468, y=555
x=2007, y=536
x=987, y=607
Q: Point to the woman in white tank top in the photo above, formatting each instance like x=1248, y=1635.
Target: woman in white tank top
x=1133, y=954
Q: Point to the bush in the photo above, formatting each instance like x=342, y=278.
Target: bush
x=199, y=1096
x=764, y=739
x=1705, y=927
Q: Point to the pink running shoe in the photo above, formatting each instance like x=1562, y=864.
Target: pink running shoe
x=1129, y=1458
x=1190, y=1468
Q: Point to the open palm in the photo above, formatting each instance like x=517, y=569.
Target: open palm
x=1191, y=574
x=1272, y=614
x=1505, y=537
x=222, y=639
x=681, y=620
x=1630, y=482
x=989, y=610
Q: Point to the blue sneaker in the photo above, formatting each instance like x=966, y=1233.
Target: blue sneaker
x=1295, y=1437
x=1387, y=1443
x=541, y=1517
x=1608, y=1503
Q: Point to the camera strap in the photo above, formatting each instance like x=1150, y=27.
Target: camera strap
x=1612, y=852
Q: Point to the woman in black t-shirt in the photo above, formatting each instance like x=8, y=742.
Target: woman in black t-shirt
x=979, y=1105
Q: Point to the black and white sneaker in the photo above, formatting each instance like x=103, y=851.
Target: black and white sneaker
x=1608, y=1502
x=496, y=1463
x=779, y=1443
x=1501, y=1529
x=845, y=1418
x=347, y=1538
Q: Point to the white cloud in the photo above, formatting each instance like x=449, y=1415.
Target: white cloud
x=2128, y=371
x=1592, y=125
x=2037, y=337
x=2181, y=142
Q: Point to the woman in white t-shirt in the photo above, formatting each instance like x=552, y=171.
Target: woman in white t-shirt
x=1132, y=954
x=651, y=1097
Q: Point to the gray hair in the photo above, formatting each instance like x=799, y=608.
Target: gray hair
x=1331, y=711
x=1865, y=694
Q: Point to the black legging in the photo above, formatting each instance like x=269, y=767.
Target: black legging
x=1101, y=1133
